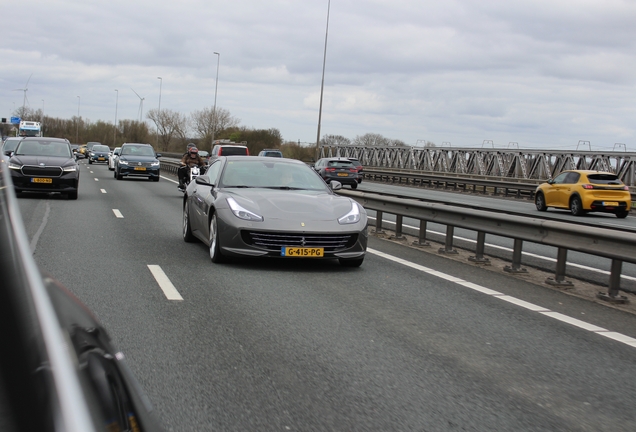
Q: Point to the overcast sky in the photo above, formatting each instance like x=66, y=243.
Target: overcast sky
x=542, y=73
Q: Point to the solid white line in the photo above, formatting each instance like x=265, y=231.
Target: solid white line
x=619, y=337
x=118, y=213
x=530, y=254
x=166, y=286
x=103, y=190
x=169, y=179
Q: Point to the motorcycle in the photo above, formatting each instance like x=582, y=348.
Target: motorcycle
x=195, y=171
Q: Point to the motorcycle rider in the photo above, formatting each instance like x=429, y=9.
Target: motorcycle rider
x=189, y=159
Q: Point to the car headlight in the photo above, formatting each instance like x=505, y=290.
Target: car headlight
x=352, y=217
x=155, y=164
x=123, y=162
x=92, y=154
x=70, y=168
x=14, y=166
x=243, y=213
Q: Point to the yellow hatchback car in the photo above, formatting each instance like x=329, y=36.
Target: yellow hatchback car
x=585, y=191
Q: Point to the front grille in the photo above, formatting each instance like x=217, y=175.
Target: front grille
x=38, y=171
x=274, y=241
x=140, y=164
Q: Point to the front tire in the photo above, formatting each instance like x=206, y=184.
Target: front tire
x=576, y=207
x=215, y=248
x=118, y=176
x=72, y=195
x=539, y=201
x=622, y=214
x=354, y=185
x=187, y=230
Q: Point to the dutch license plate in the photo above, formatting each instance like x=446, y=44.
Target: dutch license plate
x=41, y=180
x=610, y=203
x=101, y=158
x=140, y=168
x=342, y=174
x=302, y=252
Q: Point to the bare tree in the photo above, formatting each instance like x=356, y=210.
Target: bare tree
x=169, y=124
x=334, y=140
x=370, y=140
x=206, y=123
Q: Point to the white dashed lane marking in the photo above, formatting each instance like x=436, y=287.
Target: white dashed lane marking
x=166, y=286
x=118, y=213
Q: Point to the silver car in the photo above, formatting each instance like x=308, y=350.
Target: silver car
x=272, y=207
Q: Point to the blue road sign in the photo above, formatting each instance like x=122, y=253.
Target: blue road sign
x=15, y=120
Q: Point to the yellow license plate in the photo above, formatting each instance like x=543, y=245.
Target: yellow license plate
x=302, y=252
x=101, y=159
x=140, y=168
x=41, y=180
x=343, y=174
x=610, y=203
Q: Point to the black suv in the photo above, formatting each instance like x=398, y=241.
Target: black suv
x=137, y=160
x=98, y=153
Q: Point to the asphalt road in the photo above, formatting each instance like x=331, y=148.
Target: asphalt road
x=409, y=341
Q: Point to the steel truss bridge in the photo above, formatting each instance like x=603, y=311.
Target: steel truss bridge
x=504, y=163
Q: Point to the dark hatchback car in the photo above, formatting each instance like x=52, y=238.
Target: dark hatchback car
x=41, y=164
x=138, y=160
x=99, y=153
x=59, y=370
x=339, y=169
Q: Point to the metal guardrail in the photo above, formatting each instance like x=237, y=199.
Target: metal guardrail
x=615, y=245
x=463, y=183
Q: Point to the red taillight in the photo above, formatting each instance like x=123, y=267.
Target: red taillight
x=247, y=152
x=354, y=170
x=588, y=186
x=626, y=188
x=330, y=169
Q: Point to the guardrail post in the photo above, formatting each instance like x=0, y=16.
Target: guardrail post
x=398, y=229
x=378, y=223
x=421, y=241
x=615, y=285
x=559, y=277
x=448, y=246
x=516, y=259
x=478, y=258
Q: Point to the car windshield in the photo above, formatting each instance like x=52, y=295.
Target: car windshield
x=275, y=175
x=137, y=151
x=232, y=151
x=44, y=148
x=604, y=179
x=101, y=148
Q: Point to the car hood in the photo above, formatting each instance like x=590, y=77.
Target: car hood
x=42, y=160
x=292, y=205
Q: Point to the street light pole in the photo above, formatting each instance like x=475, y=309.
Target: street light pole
x=78, y=120
x=159, y=111
x=322, y=84
x=216, y=86
x=115, y=133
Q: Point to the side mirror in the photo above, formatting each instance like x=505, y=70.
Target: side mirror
x=203, y=180
x=8, y=153
x=551, y=181
x=335, y=185
x=158, y=155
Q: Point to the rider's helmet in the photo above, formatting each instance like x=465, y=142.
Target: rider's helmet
x=193, y=151
x=190, y=146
